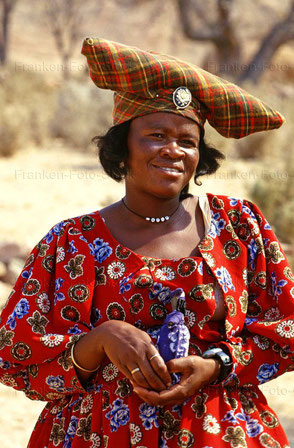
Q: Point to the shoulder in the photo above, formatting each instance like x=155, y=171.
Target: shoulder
x=239, y=212
x=81, y=225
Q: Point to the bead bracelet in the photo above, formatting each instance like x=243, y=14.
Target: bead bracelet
x=77, y=365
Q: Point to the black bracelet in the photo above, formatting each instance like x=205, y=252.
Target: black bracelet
x=224, y=359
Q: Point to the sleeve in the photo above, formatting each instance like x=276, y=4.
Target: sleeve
x=48, y=310
x=264, y=349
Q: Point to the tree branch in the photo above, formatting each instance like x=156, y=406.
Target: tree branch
x=279, y=34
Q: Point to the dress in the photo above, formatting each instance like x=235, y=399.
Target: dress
x=79, y=276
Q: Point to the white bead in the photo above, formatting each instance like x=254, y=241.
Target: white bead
x=147, y=219
x=157, y=219
x=162, y=219
x=152, y=219
x=167, y=218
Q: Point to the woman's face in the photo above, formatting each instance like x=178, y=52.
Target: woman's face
x=163, y=153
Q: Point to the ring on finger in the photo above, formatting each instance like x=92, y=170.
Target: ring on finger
x=136, y=369
x=156, y=355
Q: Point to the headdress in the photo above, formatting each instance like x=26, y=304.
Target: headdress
x=147, y=82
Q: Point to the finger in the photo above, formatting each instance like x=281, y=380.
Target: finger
x=180, y=365
x=151, y=377
x=164, y=398
x=137, y=375
x=160, y=368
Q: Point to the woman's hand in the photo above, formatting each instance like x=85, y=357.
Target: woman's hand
x=130, y=348
x=196, y=372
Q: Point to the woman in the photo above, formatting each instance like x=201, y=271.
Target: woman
x=81, y=326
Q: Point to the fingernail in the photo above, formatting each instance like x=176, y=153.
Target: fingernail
x=135, y=390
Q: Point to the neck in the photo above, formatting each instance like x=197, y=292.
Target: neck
x=151, y=206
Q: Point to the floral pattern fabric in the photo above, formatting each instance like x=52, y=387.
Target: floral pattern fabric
x=79, y=276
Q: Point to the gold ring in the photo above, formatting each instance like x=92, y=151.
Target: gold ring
x=156, y=355
x=136, y=369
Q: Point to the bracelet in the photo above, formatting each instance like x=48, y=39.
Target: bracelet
x=77, y=365
x=224, y=359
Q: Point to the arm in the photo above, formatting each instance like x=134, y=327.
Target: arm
x=264, y=348
x=50, y=310
x=39, y=324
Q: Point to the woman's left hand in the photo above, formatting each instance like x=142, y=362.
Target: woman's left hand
x=196, y=373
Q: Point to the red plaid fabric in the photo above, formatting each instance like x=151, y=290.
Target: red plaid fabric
x=144, y=83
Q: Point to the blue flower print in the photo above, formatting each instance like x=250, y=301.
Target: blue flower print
x=230, y=417
x=95, y=316
x=252, y=252
x=253, y=428
x=148, y=415
x=27, y=274
x=160, y=292
x=4, y=364
x=224, y=278
x=119, y=414
x=58, y=283
x=20, y=310
x=162, y=443
x=58, y=296
x=153, y=331
x=200, y=268
x=71, y=430
x=276, y=287
x=249, y=212
x=217, y=225
x=124, y=286
x=267, y=371
x=56, y=382
x=74, y=330
x=250, y=320
x=234, y=201
x=55, y=230
x=100, y=249
x=267, y=226
x=72, y=249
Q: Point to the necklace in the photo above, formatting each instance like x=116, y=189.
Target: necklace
x=153, y=220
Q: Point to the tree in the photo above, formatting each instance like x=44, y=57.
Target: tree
x=279, y=34
x=7, y=7
x=219, y=30
x=224, y=33
x=65, y=18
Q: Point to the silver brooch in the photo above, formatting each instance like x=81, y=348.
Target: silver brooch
x=182, y=97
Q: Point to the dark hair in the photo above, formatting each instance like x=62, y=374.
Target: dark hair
x=113, y=155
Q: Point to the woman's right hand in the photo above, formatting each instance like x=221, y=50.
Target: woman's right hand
x=128, y=348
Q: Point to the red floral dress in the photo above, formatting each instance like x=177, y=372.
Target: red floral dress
x=79, y=276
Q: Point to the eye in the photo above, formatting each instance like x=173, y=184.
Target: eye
x=157, y=134
x=188, y=143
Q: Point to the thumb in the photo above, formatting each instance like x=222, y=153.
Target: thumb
x=178, y=365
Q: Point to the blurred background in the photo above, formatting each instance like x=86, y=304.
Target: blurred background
x=50, y=110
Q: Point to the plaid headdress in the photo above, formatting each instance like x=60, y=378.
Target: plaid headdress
x=147, y=82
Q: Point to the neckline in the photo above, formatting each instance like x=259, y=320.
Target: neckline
x=207, y=223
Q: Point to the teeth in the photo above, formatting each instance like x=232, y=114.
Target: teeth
x=170, y=170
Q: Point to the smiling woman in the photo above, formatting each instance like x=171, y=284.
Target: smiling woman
x=152, y=322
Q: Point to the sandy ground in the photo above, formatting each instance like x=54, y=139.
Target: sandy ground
x=38, y=189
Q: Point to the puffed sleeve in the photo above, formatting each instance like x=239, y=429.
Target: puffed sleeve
x=264, y=348
x=47, y=311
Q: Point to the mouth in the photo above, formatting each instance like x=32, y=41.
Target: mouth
x=168, y=169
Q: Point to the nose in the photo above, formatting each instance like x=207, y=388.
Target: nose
x=172, y=150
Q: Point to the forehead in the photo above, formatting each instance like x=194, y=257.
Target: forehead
x=166, y=120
